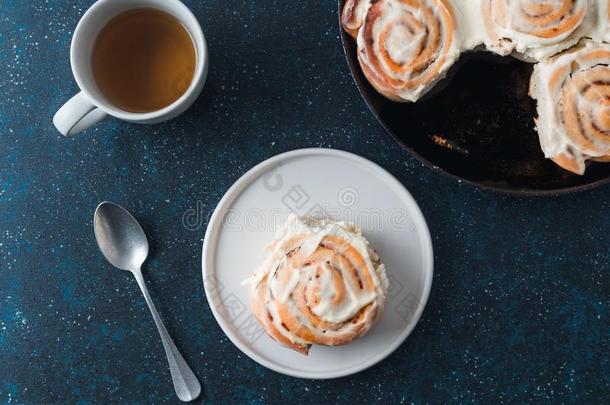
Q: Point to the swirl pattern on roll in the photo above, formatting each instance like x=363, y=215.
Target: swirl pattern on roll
x=534, y=29
x=573, y=94
x=321, y=284
x=406, y=46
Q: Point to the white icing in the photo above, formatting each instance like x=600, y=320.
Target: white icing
x=600, y=31
x=402, y=51
x=468, y=23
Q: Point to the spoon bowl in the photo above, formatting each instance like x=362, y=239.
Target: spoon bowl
x=119, y=236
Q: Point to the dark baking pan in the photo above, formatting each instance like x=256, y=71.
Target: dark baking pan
x=476, y=126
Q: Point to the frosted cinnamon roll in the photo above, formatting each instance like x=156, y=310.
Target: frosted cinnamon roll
x=406, y=46
x=534, y=29
x=320, y=284
x=352, y=15
x=573, y=94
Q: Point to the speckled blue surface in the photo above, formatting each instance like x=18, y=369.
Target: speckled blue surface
x=520, y=304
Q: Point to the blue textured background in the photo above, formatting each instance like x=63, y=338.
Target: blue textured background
x=520, y=305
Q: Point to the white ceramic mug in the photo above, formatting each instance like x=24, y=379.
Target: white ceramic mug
x=90, y=106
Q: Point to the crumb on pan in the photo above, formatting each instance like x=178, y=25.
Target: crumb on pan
x=442, y=141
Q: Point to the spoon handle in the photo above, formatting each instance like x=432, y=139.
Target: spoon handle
x=185, y=382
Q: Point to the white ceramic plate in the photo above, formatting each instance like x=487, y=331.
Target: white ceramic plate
x=322, y=182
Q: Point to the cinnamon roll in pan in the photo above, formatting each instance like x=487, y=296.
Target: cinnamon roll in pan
x=573, y=94
x=321, y=284
x=406, y=46
x=535, y=29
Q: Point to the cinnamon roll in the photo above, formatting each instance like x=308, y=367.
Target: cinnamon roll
x=573, y=94
x=534, y=29
x=320, y=284
x=406, y=46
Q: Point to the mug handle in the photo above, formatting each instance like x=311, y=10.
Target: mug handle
x=77, y=115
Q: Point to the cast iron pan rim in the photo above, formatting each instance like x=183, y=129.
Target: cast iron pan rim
x=353, y=65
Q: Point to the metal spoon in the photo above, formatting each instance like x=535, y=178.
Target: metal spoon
x=124, y=244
